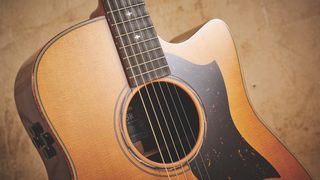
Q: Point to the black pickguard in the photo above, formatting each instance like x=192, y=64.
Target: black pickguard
x=225, y=154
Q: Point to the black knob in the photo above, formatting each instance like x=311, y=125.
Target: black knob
x=36, y=129
x=37, y=142
x=48, y=139
x=49, y=152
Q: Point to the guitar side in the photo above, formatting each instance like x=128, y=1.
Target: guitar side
x=78, y=76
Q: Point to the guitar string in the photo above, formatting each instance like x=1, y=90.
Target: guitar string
x=149, y=97
x=197, y=166
x=181, y=121
x=184, y=112
x=163, y=94
x=141, y=98
x=194, y=138
x=188, y=124
x=130, y=22
x=184, y=131
x=140, y=13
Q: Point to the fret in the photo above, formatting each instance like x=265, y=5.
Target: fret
x=123, y=24
x=151, y=61
x=145, y=51
x=141, y=68
x=150, y=50
x=128, y=40
x=132, y=31
x=146, y=66
x=142, y=79
x=146, y=77
x=136, y=40
x=128, y=14
x=137, y=43
x=151, y=27
x=138, y=80
x=124, y=8
x=134, y=19
x=153, y=70
x=141, y=58
x=140, y=47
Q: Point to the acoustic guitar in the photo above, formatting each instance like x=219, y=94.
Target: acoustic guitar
x=108, y=99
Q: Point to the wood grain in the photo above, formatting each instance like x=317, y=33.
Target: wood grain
x=82, y=71
x=80, y=100
x=281, y=66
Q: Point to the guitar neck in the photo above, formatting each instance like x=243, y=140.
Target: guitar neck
x=137, y=42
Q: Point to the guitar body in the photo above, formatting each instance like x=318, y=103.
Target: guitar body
x=73, y=95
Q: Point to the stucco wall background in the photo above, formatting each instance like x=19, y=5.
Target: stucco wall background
x=278, y=43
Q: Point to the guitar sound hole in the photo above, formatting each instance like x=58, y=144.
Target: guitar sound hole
x=167, y=119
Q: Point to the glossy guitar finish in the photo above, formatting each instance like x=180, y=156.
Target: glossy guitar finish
x=74, y=89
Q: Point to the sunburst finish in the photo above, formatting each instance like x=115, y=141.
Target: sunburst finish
x=76, y=85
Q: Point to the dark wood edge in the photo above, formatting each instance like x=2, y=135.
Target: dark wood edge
x=99, y=11
x=57, y=167
x=31, y=110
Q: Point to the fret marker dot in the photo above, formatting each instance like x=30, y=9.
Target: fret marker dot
x=129, y=13
x=137, y=37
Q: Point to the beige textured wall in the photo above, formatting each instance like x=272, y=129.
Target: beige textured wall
x=278, y=43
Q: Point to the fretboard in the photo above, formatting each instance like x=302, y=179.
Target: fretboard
x=136, y=40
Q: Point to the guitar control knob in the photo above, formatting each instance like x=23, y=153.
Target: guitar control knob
x=49, y=152
x=36, y=129
x=37, y=142
x=48, y=139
